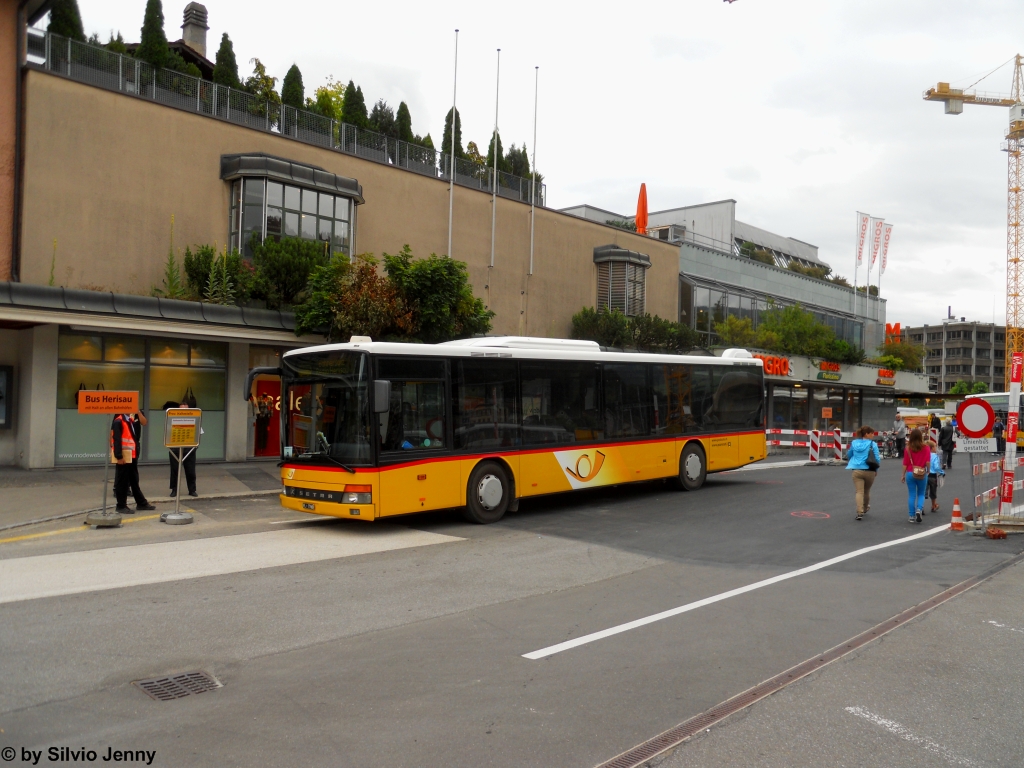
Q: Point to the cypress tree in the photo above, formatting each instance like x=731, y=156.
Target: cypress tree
x=153, y=45
x=502, y=163
x=353, y=107
x=225, y=70
x=403, y=123
x=382, y=119
x=292, y=92
x=66, y=20
x=446, y=140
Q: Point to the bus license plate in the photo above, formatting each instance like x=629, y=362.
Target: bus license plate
x=308, y=506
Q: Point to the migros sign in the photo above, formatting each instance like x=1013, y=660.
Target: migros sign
x=774, y=366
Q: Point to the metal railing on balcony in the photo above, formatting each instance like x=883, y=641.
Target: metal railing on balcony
x=117, y=72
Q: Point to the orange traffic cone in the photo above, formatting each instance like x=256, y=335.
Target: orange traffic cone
x=957, y=523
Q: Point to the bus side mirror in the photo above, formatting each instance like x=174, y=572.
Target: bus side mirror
x=381, y=396
x=263, y=371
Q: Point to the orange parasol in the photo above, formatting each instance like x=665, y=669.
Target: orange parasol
x=641, y=211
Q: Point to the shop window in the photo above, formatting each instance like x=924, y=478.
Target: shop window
x=157, y=369
x=486, y=412
x=702, y=309
x=789, y=407
x=686, y=303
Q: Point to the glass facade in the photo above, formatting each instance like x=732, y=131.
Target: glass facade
x=800, y=407
x=701, y=307
x=271, y=209
x=160, y=370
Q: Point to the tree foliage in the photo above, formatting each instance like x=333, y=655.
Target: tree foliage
x=647, y=333
x=628, y=225
x=66, y=20
x=901, y=356
x=446, y=138
x=795, y=331
x=403, y=123
x=283, y=268
x=428, y=300
x=225, y=68
x=736, y=332
x=260, y=84
x=439, y=292
x=353, y=106
x=382, y=119
x=502, y=162
x=153, y=42
x=293, y=94
x=960, y=388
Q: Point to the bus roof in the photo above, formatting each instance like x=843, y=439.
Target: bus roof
x=526, y=348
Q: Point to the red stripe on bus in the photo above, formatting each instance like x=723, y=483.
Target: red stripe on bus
x=561, y=447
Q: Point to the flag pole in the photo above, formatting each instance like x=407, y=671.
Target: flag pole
x=451, y=149
x=494, y=181
x=533, y=164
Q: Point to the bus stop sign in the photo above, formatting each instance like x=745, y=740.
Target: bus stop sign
x=975, y=417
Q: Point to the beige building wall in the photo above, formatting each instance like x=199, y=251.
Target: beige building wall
x=104, y=173
x=9, y=73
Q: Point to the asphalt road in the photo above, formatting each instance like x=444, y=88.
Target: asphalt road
x=355, y=645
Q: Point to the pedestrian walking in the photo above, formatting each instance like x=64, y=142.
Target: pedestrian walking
x=188, y=464
x=997, y=433
x=125, y=439
x=916, y=461
x=934, y=473
x=899, y=431
x=864, y=459
x=946, y=436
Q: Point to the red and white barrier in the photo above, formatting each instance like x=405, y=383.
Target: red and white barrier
x=813, y=441
x=787, y=432
x=1012, y=418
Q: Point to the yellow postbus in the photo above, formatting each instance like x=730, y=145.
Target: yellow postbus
x=376, y=429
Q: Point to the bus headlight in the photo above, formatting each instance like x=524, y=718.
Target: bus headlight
x=357, y=494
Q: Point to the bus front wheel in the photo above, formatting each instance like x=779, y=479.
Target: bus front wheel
x=488, y=493
x=693, y=467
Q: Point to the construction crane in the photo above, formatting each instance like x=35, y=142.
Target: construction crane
x=954, y=100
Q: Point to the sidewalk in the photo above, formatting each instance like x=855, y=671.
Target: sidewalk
x=27, y=495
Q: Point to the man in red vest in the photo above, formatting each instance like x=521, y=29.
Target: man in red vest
x=125, y=437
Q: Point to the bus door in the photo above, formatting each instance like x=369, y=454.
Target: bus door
x=417, y=471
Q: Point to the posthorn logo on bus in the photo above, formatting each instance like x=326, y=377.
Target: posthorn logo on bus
x=586, y=469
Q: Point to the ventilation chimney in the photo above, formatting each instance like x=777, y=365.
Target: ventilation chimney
x=193, y=31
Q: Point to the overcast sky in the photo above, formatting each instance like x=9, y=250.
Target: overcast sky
x=802, y=111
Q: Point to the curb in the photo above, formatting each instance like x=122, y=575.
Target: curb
x=156, y=500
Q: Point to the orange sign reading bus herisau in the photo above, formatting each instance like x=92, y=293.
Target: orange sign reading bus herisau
x=102, y=401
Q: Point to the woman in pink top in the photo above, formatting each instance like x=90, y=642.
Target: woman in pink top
x=916, y=461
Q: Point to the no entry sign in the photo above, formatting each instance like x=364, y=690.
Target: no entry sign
x=975, y=417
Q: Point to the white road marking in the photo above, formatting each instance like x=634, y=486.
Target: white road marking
x=899, y=730
x=594, y=636
x=30, y=578
x=1003, y=626
x=769, y=465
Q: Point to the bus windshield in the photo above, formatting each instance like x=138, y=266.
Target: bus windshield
x=327, y=418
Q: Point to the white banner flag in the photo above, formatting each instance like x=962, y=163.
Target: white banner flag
x=862, y=235
x=876, y=241
x=886, y=234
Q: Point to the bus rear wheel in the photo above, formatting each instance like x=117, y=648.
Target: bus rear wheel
x=693, y=467
x=488, y=494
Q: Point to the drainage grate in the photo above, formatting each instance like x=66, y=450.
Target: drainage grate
x=178, y=686
x=640, y=754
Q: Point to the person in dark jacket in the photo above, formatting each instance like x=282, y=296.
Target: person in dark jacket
x=934, y=422
x=997, y=433
x=125, y=440
x=188, y=464
x=946, y=444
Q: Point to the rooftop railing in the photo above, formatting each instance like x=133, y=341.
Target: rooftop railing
x=117, y=72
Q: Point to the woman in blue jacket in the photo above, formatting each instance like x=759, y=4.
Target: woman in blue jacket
x=861, y=450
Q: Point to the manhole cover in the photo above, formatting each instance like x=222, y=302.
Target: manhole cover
x=812, y=515
x=178, y=686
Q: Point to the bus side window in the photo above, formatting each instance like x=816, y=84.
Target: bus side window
x=628, y=402
x=738, y=397
x=561, y=402
x=486, y=413
x=702, y=399
x=670, y=393
x=415, y=419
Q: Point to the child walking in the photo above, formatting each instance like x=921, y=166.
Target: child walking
x=934, y=473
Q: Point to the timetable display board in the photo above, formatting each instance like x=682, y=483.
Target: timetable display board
x=182, y=427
